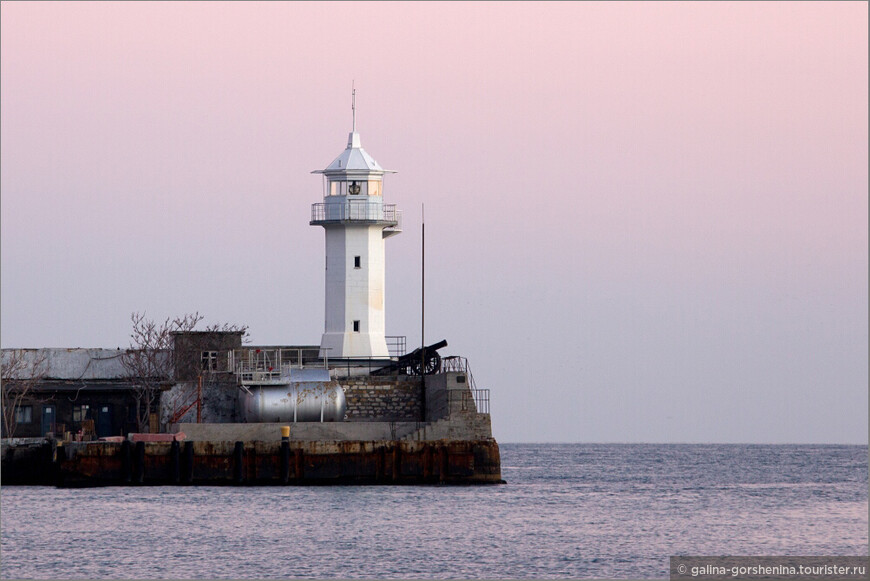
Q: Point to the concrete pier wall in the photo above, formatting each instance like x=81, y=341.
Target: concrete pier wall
x=458, y=426
x=307, y=432
x=277, y=463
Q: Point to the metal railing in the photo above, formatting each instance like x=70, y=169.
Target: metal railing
x=465, y=399
x=479, y=398
x=445, y=402
x=181, y=407
x=397, y=345
x=458, y=365
x=273, y=365
x=397, y=227
x=355, y=210
x=357, y=365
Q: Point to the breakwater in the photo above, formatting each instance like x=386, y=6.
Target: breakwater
x=82, y=464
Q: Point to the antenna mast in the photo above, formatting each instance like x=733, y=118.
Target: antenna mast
x=353, y=103
x=423, y=308
x=423, y=281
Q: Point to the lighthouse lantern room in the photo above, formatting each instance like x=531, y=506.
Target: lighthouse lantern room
x=356, y=222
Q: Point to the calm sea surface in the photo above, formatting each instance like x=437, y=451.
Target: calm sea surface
x=572, y=510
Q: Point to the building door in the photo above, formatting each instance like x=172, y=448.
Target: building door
x=49, y=419
x=104, y=420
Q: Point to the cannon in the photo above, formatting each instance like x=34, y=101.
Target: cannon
x=420, y=361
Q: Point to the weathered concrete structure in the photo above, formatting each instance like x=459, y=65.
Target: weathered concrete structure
x=277, y=463
x=388, y=436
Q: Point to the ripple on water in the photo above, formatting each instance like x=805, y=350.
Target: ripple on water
x=567, y=511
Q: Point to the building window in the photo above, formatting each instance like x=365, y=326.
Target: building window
x=24, y=414
x=80, y=412
x=209, y=360
x=357, y=261
x=356, y=326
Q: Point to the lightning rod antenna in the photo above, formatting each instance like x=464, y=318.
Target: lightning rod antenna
x=353, y=103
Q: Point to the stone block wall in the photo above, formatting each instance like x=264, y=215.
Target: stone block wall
x=383, y=399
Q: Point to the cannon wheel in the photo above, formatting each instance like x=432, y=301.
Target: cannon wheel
x=432, y=365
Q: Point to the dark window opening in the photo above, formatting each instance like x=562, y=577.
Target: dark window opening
x=80, y=412
x=209, y=360
x=356, y=326
x=357, y=261
x=24, y=414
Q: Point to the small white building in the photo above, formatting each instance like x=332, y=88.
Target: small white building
x=356, y=222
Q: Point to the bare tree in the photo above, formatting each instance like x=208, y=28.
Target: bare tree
x=150, y=359
x=229, y=328
x=20, y=371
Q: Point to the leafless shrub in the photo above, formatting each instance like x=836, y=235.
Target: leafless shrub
x=150, y=359
x=229, y=328
x=20, y=371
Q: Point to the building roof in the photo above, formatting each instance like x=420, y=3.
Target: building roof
x=354, y=159
x=62, y=363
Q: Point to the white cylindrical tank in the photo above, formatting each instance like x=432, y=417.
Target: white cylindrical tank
x=307, y=401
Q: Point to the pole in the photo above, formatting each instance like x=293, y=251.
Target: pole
x=423, y=310
x=199, y=401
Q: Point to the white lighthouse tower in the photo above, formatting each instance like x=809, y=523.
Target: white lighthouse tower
x=356, y=222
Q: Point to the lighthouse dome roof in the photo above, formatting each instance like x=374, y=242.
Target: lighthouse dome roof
x=353, y=159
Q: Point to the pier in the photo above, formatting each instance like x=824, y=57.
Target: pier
x=259, y=463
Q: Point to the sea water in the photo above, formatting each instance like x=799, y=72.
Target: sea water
x=567, y=510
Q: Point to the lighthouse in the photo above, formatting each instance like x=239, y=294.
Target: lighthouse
x=356, y=223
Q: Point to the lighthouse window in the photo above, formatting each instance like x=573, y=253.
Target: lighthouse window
x=356, y=326
x=354, y=188
x=356, y=262
x=374, y=188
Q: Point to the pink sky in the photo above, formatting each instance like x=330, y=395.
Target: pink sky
x=653, y=202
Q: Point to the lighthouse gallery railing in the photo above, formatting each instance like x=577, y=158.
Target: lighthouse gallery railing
x=353, y=210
